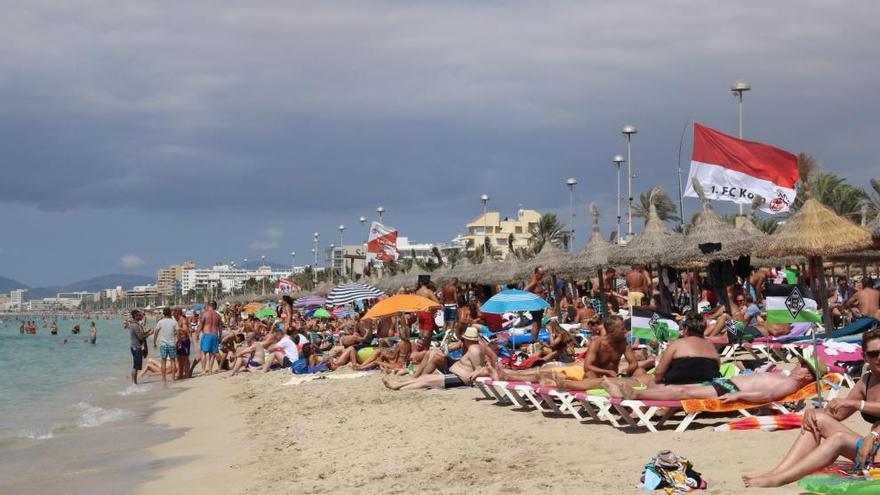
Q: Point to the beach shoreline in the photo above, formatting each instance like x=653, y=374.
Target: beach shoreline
x=258, y=432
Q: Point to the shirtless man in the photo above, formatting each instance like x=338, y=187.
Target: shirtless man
x=250, y=357
x=602, y=360
x=756, y=280
x=638, y=282
x=450, y=303
x=209, y=329
x=757, y=388
x=535, y=286
x=866, y=299
x=461, y=373
x=426, y=318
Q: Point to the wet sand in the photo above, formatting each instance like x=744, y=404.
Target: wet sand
x=254, y=434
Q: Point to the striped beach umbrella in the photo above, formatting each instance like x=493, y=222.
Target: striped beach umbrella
x=308, y=302
x=341, y=312
x=349, y=293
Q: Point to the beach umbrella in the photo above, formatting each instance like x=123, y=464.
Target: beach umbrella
x=513, y=300
x=198, y=307
x=308, y=302
x=265, y=312
x=464, y=270
x=343, y=313
x=252, y=308
x=653, y=245
x=486, y=272
x=709, y=229
x=551, y=259
x=351, y=292
x=320, y=313
x=402, y=303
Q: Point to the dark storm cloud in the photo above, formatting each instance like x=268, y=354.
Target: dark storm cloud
x=327, y=110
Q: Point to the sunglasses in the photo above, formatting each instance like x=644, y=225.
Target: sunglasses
x=873, y=354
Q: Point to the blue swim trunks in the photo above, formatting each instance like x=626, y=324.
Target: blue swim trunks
x=167, y=351
x=450, y=313
x=210, y=343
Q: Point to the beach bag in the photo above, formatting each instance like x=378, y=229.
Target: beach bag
x=300, y=366
x=672, y=474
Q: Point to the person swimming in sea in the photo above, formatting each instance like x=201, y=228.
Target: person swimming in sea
x=54, y=328
x=93, y=334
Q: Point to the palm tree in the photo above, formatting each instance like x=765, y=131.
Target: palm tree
x=765, y=225
x=834, y=192
x=873, y=201
x=666, y=209
x=548, y=229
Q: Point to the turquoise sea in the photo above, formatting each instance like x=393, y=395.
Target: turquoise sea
x=49, y=387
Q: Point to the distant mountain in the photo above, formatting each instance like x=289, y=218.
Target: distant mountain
x=8, y=284
x=89, y=285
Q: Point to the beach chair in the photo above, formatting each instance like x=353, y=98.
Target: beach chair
x=642, y=412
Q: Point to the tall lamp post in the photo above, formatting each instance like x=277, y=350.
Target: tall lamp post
x=618, y=160
x=262, y=279
x=485, y=200
x=571, y=182
x=342, y=251
x=292, y=262
x=628, y=131
x=739, y=87
x=316, y=237
x=330, y=261
x=380, y=210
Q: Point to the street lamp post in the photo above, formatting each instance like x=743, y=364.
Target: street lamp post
x=363, y=221
x=292, y=262
x=262, y=279
x=618, y=161
x=380, y=210
x=341, y=239
x=571, y=182
x=628, y=131
x=485, y=200
x=316, y=237
x=739, y=87
x=330, y=261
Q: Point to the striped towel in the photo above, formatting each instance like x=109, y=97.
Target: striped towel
x=764, y=423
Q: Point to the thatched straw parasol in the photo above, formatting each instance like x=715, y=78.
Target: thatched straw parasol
x=551, y=259
x=651, y=246
x=595, y=253
x=748, y=224
x=814, y=232
x=464, y=270
x=708, y=228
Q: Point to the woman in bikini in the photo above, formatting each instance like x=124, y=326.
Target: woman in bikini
x=823, y=436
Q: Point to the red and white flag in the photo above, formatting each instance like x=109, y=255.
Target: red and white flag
x=732, y=169
x=382, y=245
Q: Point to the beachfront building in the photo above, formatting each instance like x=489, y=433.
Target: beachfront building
x=501, y=231
x=226, y=278
x=349, y=259
x=169, y=279
x=113, y=295
x=18, y=298
x=76, y=299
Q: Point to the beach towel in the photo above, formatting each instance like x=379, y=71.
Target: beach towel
x=715, y=405
x=764, y=423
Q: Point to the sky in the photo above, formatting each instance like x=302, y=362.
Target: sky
x=134, y=135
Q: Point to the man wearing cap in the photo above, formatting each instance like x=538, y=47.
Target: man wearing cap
x=138, y=339
x=757, y=388
x=453, y=373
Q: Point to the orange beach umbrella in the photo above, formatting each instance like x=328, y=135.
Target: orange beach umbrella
x=403, y=303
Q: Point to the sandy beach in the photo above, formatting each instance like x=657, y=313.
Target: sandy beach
x=254, y=434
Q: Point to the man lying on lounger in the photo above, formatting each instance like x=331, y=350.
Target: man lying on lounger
x=450, y=373
x=757, y=388
x=602, y=360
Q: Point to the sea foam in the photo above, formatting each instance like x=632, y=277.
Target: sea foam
x=136, y=389
x=91, y=416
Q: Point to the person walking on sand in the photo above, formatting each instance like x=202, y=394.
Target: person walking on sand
x=209, y=329
x=138, y=337
x=166, y=334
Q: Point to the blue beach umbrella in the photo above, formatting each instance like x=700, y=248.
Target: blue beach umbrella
x=198, y=307
x=513, y=300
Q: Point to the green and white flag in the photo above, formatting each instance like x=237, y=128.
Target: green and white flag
x=790, y=304
x=653, y=325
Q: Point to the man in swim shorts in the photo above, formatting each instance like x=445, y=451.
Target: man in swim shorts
x=536, y=286
x=138, y=337
x=426, y=318
x=462, y=372
x=209, y=329
x=166, y=335
x=758, y=388
x=638, y=284
x=450, y=303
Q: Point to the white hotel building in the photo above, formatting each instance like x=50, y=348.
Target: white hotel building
x=225, y=277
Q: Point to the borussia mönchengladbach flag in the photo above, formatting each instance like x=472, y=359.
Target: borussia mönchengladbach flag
x=653, y=325
x=790, y=304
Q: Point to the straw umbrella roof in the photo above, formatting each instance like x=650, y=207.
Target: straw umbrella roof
x=707, y=228
x=551, y=259
x=464, y=270
x=655, y=244
x=865, y=256
x=815, y=230
x=595, y=253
